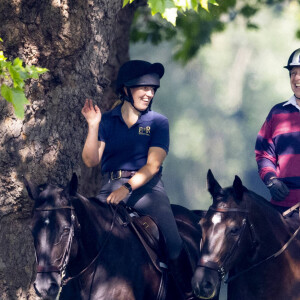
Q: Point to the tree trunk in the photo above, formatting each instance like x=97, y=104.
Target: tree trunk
x=82, y=43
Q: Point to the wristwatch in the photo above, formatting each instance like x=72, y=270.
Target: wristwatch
x=128, y=187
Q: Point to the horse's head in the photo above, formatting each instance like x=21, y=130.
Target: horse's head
x=53, y=227
x=223, y=236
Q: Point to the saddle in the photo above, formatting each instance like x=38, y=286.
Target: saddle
x=148, y=233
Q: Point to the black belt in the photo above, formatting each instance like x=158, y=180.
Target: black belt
x=114, y=175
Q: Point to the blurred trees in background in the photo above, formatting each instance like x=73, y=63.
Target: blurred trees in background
x=218, y=101
x=196, y=21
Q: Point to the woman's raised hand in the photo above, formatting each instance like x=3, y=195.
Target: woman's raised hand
x=91, y=113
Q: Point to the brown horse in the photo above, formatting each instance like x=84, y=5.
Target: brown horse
x=246, y=238
x=88, y=248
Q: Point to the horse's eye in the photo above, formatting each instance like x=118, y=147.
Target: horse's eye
x=234, y=230
x=66, y=229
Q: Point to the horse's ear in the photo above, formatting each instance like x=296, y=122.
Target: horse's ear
x=73, y=185
x=238, y=187
x=32, y=189
x=212, y=184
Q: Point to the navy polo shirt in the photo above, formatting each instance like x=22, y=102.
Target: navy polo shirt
x=127, y=148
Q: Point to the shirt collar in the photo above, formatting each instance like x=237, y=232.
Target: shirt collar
x=293, y=102
x=117, y=112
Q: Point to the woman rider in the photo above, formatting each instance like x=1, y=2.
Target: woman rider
x=131, y=142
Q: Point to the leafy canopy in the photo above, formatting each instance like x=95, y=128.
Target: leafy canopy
x=169, y=9
x=12, y=81
x=190, y=24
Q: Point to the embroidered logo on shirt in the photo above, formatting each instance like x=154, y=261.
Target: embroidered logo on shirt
x=144, y=130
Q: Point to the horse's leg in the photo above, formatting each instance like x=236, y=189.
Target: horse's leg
x=181, y=270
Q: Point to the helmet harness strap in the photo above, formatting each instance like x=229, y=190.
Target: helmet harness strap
x=129, y=98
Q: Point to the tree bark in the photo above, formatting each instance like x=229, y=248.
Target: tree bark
x=82, y=43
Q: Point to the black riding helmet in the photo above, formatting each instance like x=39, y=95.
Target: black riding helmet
x=135, y=73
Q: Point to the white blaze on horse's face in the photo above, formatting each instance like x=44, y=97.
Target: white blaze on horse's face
x=216, y=219
x=44, y=235
x=215, y=236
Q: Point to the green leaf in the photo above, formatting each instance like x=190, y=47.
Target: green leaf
x=157, y=6
x=2, y=57
x=252, y=26
x=6, y=92
x=214, y=2
x=19, y=100
x=35, y=71
x=18, y=62
x=17, y=97
x=167, y=8
x=40, y=70
x=125, y=2
x=18, y=76
x=170, y=15
x=194, y=5
x=185, y=4
x=204, y=4
x=248, y=11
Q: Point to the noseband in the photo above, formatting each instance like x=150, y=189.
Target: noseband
x=66, y=253
x=220, y=267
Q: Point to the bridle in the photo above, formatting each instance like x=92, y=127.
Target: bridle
x=67, y=250
x=220, y=267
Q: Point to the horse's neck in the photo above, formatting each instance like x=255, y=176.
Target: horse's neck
x=268, y=224
x=266, y=280
x=95, y=220
x=95, y=217
x=272, y=233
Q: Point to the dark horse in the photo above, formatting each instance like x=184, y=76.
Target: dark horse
x=86, y=245
x=244, y=235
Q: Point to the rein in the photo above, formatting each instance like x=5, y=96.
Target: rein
x=220, y=268
x=114, y=212
x=276, y=254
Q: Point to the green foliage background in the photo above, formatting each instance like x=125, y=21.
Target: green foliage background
x=217, y=103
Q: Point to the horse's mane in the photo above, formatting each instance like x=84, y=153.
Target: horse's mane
x=266, y=207
x=260, y=199
x=96, y=210
x=92, y=201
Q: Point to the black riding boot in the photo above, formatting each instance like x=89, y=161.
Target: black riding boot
x=182, y=273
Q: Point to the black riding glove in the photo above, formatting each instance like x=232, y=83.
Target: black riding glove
x=278, y=189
